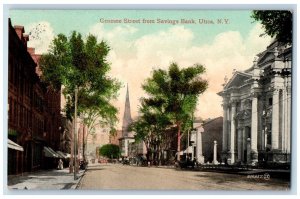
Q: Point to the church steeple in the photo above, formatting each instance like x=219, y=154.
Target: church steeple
x=127, y=115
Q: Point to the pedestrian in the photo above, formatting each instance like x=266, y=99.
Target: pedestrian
x=60, y=165
x=195, y=162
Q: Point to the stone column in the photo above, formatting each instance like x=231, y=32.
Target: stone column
x=225, y=132
x=288, y=123
x=275, y=120
x=228, y=116
x=215, y=161
x=254, y=129
x=232, y=133
x=283, y=118
x=199, y=154
x=240, y=144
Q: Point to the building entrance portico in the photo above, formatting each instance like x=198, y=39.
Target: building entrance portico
x=257, y=110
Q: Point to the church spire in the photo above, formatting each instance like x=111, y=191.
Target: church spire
x=127, y=115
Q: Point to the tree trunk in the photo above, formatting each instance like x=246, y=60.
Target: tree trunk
x=159, y=155
x=178, y=141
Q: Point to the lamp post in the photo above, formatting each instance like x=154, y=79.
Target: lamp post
x=188, y=146
x=75, y=135
x=193, y=141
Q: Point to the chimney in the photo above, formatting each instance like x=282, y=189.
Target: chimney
x=31, y=51
x=19, y=30
x=25, y=39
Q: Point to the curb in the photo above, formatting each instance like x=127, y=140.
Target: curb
x=80, y=178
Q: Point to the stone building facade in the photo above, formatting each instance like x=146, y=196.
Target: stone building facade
x=257, y=109
x=212, y=132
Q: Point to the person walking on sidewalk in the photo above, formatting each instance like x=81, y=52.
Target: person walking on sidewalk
x=60, y=165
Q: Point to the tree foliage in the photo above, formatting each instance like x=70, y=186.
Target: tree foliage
x=277, y=23
x=173, y=95
x=150, y=127
x=110, y=151
x=73, y=63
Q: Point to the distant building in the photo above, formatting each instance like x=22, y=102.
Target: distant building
x=97, y=139
x=257, y=109
x=34, y=121
x=114, y=138
x=193, y=148
x=127, y=136
x=212, y=131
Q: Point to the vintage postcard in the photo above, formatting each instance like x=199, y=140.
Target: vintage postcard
x=139, y=99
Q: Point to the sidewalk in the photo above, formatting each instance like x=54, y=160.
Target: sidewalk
x=45, y=180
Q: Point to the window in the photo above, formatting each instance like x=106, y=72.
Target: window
x=270, y=101
x=10, y=109
x=269, y=134
x=10, y=69
x=21, y=116
x=15, y=113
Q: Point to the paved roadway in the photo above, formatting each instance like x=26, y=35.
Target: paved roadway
x=124, y=177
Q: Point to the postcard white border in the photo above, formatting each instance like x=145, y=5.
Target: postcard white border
x=294, y=153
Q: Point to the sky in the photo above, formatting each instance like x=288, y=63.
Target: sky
x=138, y=47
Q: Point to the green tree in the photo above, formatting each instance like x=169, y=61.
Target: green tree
x=276, y=23
x=177, y=90
x=73, y=63
x=150, y=126
x=110, y=151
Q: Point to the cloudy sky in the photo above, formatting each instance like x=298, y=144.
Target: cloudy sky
x=138, y=48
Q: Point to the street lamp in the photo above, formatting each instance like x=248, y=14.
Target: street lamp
x=193, y=139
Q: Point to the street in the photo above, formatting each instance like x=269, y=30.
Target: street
x=124, y=177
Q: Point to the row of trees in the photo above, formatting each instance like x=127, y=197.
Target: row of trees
x=171, y=102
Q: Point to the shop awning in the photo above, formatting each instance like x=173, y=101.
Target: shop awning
x=13, y=145
x=68, y=155
x=50, y=153
x=63, y=155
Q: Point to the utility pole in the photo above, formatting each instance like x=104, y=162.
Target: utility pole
x=75, y=135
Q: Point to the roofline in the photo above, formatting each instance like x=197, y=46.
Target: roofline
x=212, y=120
x=234, y=75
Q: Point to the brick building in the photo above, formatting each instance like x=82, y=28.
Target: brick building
x=34, y=120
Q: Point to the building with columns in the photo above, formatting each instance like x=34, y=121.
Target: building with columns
x=257, y=109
